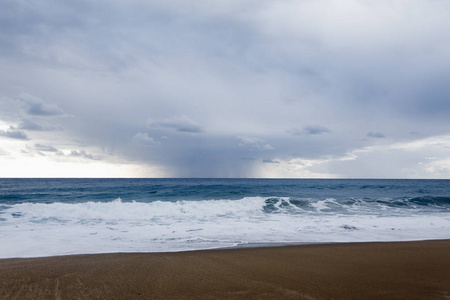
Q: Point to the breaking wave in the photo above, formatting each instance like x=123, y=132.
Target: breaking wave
x=40, y=229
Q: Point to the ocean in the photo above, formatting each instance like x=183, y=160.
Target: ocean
x=46, y=217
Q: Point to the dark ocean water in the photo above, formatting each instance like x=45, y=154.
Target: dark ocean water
x=14, y=191
x=63, y=216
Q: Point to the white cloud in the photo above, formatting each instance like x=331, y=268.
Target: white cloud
x=438, y=168
x=399, y=160
x=294, y=168
x=3, y=152
x=254, y=143
x=43, y=166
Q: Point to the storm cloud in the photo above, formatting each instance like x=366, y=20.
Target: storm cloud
x=45, y=148
x=376, y=135
x=14, y=134
x=178, y=123
x=313, y=130
x=229, y=88
x=36, y=106
x=28, y=124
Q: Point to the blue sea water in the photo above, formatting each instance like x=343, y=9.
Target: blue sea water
x=41, y=217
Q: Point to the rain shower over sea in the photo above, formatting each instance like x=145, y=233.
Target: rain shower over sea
x=45, y=217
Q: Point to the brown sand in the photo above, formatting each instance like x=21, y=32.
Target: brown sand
x=400, y=270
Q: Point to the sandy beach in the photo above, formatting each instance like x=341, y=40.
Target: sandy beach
x=395, y=270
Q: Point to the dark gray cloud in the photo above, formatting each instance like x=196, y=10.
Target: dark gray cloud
x=45, y=148
x=37, y=107
x=14, y=134
x=28, y=124
x=82, y=154
x=314, y=130
x=33, y=125
x=179, y=123
x=309, y=130
x=376, y=135
x=270, y=161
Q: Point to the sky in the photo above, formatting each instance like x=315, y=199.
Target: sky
x=271, y=89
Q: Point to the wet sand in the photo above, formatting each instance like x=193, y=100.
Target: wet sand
x=399, y=270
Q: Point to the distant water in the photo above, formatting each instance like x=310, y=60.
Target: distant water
x=42, y=217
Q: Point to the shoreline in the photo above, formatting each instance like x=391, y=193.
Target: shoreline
x=235, y=247
x=367, y=270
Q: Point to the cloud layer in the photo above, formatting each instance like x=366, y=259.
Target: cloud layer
x=227, y=89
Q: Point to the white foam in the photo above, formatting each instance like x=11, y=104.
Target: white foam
x=31, y=230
